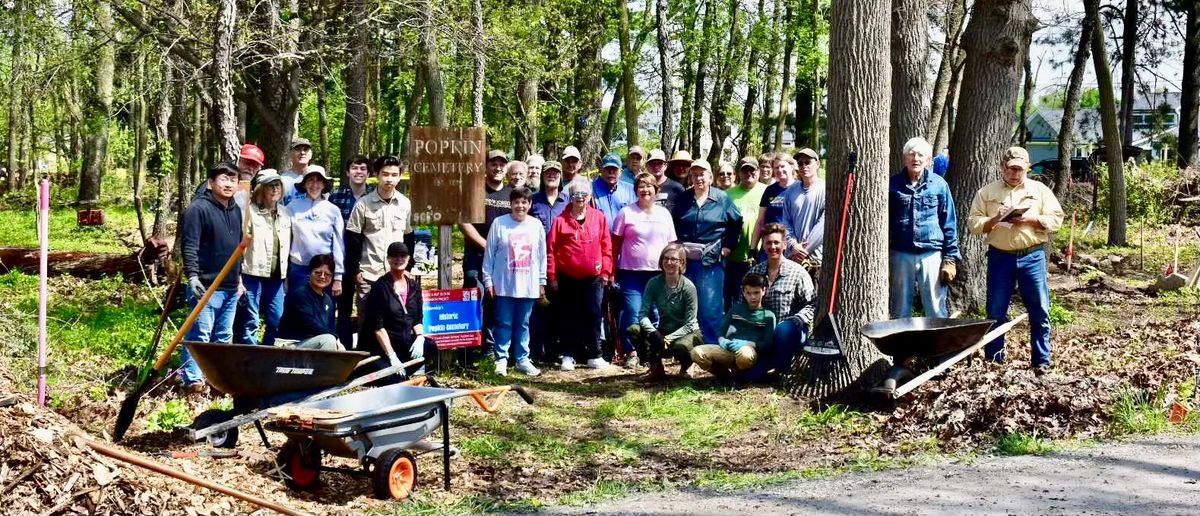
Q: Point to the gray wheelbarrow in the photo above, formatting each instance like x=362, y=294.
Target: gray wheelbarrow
x=382, y=427
x=928, y=343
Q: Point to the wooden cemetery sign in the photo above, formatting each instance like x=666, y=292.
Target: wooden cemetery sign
x=447, y=174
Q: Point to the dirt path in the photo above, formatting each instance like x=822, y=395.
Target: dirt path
x=1156, y=476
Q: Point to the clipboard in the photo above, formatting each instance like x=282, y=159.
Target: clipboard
x=1016, y=212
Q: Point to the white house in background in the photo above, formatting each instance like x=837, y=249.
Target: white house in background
x=1154, y=116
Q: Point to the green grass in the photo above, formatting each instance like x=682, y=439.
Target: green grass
x=605, y=490
x=1020, y=443
x=171, y=415
x=471, y=504
x=18, y=228
x=1137, y=412
x=706, y=419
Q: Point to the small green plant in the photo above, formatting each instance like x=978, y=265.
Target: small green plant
x=1060, y=315
x=1090, y=274
x=1137, y=412
x=1021, y=443
x=173, y=414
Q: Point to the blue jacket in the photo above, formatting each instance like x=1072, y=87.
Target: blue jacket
x=717, y=221
x=544, y=212
x=921, y=217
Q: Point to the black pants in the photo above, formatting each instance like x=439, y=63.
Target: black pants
x=544, y=331
x=345, y=305
x=473, y=278
x=734, y=272
x=579, y=318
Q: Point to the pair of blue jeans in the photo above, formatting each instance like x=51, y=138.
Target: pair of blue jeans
x=213, y=324
x=297, y=275
x=632, y=285
x=1007, y=272
x=913, y=273
x=710, y=296
x=263, y=297
x=787, y=339
x=512, y=327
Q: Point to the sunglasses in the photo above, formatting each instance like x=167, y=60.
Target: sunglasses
x=578, y=196
x=322, y=274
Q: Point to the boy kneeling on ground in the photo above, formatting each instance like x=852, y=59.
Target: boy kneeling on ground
x=745, y=332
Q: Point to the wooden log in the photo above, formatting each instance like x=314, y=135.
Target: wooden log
x=133, y=267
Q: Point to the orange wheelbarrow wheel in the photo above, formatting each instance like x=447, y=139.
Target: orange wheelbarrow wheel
x=395, y=475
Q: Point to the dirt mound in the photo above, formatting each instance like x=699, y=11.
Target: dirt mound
x=47, y=468
x=980, y=400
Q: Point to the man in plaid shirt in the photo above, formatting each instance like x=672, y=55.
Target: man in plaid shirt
x=791, y=296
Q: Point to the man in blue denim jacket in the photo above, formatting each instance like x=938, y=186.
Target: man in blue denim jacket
x=923, y=235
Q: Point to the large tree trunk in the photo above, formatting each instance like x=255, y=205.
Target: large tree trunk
x=588, y=95
x=1128, y=69
x=14, y=98
x=225, y=112
x=666, y=64
x=1066, y=130
x=995, y=42
x=723, y=88
x=356, y=83
x=1188, y=108
x=698, y=96
x=322, y=149
x=527, y=115
x=955, y=12
x=1112, y=139
x=610, y=118
x=412, y=108
x=140, y=137
x=629, y=89
x=1022, y=134
x=910, y=51
x=99, y=106
x=273, y=84
x=480, y=63
x=789, y=46
x=430, y=66
x=162, y=140
x=858, y=101
x=748, y=134
x=769, y=75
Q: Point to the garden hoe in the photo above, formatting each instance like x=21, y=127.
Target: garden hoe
x=129, y=406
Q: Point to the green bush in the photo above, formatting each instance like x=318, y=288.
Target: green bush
x=1149, y=192
x=173, y=414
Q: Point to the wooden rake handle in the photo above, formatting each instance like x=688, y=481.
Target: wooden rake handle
x=191, y=318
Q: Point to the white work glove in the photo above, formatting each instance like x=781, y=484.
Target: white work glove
x=196, y=287
x=392, y=358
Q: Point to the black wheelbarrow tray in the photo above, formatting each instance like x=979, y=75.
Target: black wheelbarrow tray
x=383, y=428
x=943, y=341
x=259, y=377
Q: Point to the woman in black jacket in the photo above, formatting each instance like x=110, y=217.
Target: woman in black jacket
x=392, y=322
x=308, y=309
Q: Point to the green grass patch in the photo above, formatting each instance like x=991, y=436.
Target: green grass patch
x=1020, y=443
x=726, y=481
x=471, y=504
x=602, y=491
x=705, y=419
x=1137, y=412
x=18, y=228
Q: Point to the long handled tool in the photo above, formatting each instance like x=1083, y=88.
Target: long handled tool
x=129, y=406
x=168, y=306
x=826, y=341
x=1071, y=244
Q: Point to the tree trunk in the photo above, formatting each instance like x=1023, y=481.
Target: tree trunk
x=1022, y=134
x=588, y=95
x=1191, y=88
x=412, y=108
x=431, y=67
x=480, y=64
x=99, y=108
x=610, y=118
x=273, y=85
x=858, y=56
x=628, y=61
x=356, y=84
x=946, y=126
x=789, y=46
x=723, y=89
x=769, y=75
x=808, y=91
x=322, y=150
x=527, y=115
x=225, y=112
x=748, y=133
x=1112, y=138
x=14, y=98
x=697, y=111
x=995, y=43
x=162, y=138
x=1066, y=130
x=138, y=165
x=955, y=11
x=1128, y=69
x=666, y=64
x=910, y=51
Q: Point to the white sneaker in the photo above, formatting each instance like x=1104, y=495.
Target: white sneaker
x=528, y=368
x=632, y=362
x=597, y=363
x=502, y=368
x=568, y=364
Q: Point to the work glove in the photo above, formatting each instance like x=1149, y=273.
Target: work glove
x=196, y=287
x=656, y=338
x=949, y=271
x=392, y=358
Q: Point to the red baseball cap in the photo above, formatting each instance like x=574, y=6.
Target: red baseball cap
x=251, y=152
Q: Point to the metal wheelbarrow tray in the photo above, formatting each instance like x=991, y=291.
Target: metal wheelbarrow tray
x=380, y=427
x=944, y=342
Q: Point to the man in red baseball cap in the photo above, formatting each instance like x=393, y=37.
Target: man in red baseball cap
x=250, y=160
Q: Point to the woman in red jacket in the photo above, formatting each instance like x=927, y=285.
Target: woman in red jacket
x=580, y=266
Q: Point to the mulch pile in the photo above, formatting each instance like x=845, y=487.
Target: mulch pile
x=977, y=400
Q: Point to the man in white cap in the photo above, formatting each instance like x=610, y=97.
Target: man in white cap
x=804, y=212
x=301, y=159
x=634, y=161
x=572, y=162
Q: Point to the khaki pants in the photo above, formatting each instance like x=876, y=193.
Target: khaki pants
x=710, y=356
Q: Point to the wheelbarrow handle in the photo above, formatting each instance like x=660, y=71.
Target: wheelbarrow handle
x=524, y=394
x=491, y=405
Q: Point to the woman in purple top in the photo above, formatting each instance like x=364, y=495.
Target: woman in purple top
x=640, y=233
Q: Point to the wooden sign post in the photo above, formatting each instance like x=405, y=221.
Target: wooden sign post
x=447, y=171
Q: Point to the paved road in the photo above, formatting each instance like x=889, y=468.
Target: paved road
x=1150, y=476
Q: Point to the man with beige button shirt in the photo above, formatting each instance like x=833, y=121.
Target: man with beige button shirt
x=1016, y=217
x=379, y=219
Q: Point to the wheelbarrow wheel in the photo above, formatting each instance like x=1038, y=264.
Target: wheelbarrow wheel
x=395, y=475
x=300, y=461
x=226, y=439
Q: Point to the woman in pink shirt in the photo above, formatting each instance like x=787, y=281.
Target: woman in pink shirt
x=640, y=233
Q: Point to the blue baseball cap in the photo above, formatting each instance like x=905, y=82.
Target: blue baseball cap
x=611, y=160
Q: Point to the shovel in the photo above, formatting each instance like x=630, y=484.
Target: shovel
x=825, y=343
x=129, y=406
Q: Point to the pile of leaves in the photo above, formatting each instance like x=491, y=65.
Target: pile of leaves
x=978, y=400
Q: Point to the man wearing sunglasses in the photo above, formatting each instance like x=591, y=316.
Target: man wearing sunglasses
x=1017, y=217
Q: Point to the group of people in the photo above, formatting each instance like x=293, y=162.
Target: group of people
x=658, y=257
x=303, y=241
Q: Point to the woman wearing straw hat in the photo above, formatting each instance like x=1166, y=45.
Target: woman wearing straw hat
x=265, y=264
